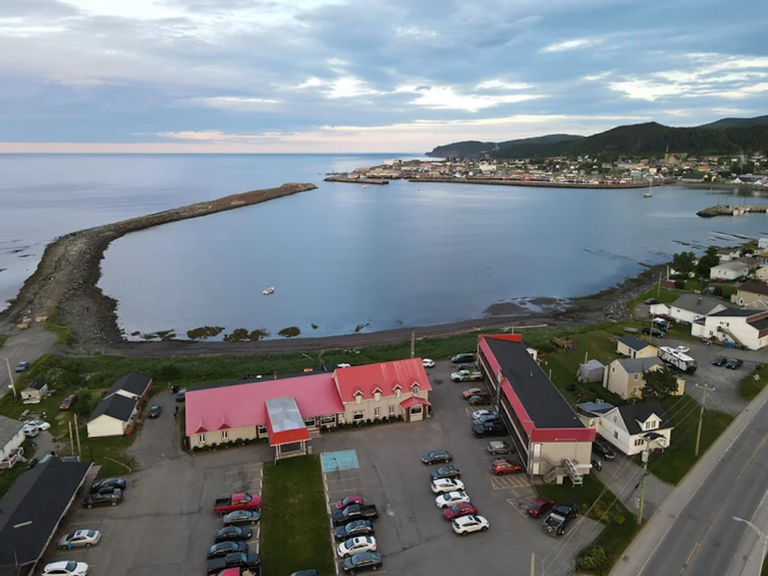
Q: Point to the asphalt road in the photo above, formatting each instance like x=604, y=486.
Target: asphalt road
x=703, y=539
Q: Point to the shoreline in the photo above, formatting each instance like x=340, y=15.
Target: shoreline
x=537, y=184
x=64, y=288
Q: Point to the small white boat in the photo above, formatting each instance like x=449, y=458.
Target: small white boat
x=647, y=195
x=268, y=291
x=365, y=185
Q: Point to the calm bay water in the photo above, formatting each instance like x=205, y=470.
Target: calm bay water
x=340, y=256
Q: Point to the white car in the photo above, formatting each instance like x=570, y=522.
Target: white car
x=472, y=523
x=356, y=546
x=683, y=349
x=477, y=414
x=443, y=485
x=66, y=568
x=31, y=431
x=428, y=363
x=451, y=498
x=39, y=424
x=343, y=365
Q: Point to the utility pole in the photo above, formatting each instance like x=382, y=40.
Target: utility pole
x=646, y=454
x=77, y=434
x=10, y=375
x=71, y=440
x=658, y=288
x=701, y=416
x=413, y=343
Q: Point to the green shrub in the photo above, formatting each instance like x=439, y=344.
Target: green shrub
x=680, y=284
x=718, y=291
x=594, y=558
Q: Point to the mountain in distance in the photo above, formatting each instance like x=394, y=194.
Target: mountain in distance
x=726, y=136
x=475, y=149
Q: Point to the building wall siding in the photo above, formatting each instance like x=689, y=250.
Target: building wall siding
x=105, y=426
x=13, y=443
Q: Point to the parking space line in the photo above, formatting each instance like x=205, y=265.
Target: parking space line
x=353, y=490
x=507, y=482
x=517, y=507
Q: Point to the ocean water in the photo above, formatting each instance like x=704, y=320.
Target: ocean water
x=340, y=257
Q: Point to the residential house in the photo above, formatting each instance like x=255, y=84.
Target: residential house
x=748, y=327
x=115, y=415
x=591, y=412
x=35, y=392
x=689, y=307
x=761, y=259
x=11, y=437
x=133, y=386
x=729, y=271
x=762, y=244
x=762, y=274
x=625, y=377
x=635, y=348
x=634, y=427
x=752, y=295
x=728, y=254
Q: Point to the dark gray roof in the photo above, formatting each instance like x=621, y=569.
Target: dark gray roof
x=637, y=365
x=761, y=324
x=736, y=312
x=8, y=429
x=632, y=414
x=37, y=384
x=755, y=287
x=40, y=496
x=633, y=343
x=699, y=303
x=133, y=383
x=116, y=406
x=539, y=396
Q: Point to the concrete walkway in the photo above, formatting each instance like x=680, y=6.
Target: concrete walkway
x=623, y=477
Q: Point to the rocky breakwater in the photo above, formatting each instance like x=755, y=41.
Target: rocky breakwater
x=732, y=210
x=66, y=278
x=374, y=181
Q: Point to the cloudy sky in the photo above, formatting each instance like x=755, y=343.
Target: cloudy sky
x=366, y=75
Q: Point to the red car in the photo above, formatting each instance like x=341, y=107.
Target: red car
x=348, y=501
x=539, y=507
x=68, y=401
x=500, y=467
x=460, y=509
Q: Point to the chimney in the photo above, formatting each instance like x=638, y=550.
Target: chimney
x=698, y=302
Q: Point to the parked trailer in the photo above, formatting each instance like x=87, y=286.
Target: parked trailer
x=677, y=359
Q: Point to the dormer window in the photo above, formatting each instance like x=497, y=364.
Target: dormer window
x=398, y=391
x=377, y=395
x=651, y=424
x=415, y=389
x=358, y=397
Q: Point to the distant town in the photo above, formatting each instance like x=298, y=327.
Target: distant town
x=581, y=171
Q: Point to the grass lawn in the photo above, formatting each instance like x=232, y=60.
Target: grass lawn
x=673, y=464
x=295, y=533
x=749, y=387
x=614, y=538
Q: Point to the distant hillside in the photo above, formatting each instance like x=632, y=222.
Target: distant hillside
x=736, y=122
x=471, y=149
x=726, y=136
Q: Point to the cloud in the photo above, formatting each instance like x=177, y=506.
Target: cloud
x=237, y=103
x=574, y=44
x=501, y=85
x=447, y=98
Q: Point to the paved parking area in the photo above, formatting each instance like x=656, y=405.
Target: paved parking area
x=166, y=522
x=411, y=534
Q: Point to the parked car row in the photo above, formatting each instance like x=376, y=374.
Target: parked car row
x=356, y=546
x=730, y=363
x=452, y=499
x=230, y=549
x=488, y=423
x=107, y=492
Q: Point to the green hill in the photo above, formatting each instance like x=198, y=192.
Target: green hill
x=474, y=149
x=736, y=122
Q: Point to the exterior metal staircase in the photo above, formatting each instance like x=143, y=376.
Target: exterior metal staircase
x=572, y=467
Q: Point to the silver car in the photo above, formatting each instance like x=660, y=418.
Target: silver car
x=79, y=539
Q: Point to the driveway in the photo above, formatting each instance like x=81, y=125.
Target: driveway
x=411, y=534
x=623, y=477
x=158, y=439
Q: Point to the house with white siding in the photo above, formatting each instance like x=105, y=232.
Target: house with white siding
x=748, y=327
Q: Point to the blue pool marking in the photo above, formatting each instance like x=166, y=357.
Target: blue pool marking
x=341, y=460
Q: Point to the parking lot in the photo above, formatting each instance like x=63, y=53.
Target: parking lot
x=411, y=534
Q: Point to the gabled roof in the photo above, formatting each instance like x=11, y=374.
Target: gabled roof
x=637, y=365
x=117, y=406
x=9, y=428
x=40, y=496
x=134, y=383
x=698, y=303
x=754, y=288
x=635, y=414
x=37, y=385
x=385, y=375
x=595, y=408
x=740, y=313
x=733, y=265
x=633, y=343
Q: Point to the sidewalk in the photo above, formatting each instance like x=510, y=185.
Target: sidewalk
x=623, y=478
x=652, y=536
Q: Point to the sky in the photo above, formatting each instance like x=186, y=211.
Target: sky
x=366, y=75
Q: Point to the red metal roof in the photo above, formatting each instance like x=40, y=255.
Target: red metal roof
x=244, y=404
x=384, y=376
x=412, y=401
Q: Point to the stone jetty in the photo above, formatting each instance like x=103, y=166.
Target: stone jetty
x=374, y=181
x=732, y=210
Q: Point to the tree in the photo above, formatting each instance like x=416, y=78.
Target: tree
x=709, y=259
x=84, y=405
x=684, y=263
x=659, y=384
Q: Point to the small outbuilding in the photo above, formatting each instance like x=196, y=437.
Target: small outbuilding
x=35, y=392
x=114, y=416
x=133, y=386
x=635, y=348
x=591, y=371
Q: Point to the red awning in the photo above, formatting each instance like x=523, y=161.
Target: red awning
x=413, y=401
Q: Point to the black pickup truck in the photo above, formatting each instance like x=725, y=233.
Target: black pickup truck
x=355, y=512
x=251, y=562
x=557, y=520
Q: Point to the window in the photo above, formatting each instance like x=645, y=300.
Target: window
x=415, y=409
x=639, y=442
x=359, y=398
x=636, y=377
x=201, y=438
x=225, y=435
x=262, y=429
x=634, y=391
x=615, y=419
x=377, y=412
x=415, y=389
x=377, y=396
x=358, y=416
x=328, y=419
x=651, y=424
x=391, y=410
x=613, y=369
x=616, y=434
x=397, y=392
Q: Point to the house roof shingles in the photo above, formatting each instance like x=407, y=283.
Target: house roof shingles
x=134, y=383
x=745, y=313
x=385, y=376
x=633, y=343
x=116, y=406
x=637, y=365
x=699, y=303
x=634, y=414
x=40, y=496
x=37, y=385
x=755, y=288
x=9, y=428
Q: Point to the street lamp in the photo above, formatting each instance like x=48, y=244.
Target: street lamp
x=763, y=539
x=10, y=375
